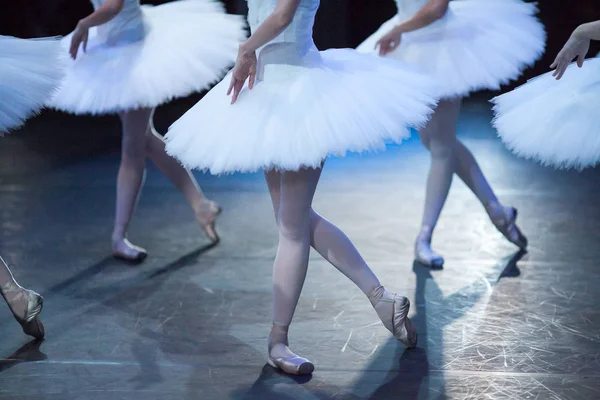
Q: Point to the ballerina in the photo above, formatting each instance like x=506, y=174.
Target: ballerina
x=29, y=73
x=552, y=122
x=134, y=59
x=468, y=45
x=299, y=106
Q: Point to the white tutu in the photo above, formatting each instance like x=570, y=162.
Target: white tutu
x=298, y=115
x=182, y=47
x=554, y=122
x=30, y=70
x=478, y=44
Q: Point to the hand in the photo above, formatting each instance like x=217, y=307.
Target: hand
x=576, y=47
x=389, y=42
x=245, y=68
x=80, y=35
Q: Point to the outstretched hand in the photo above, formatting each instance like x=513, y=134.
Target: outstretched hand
x=80, y=35
x=389, y=42
x=245, y=68
x=576, y=47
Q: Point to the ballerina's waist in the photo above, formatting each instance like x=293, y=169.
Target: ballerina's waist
x=123, y=32
x=282, y=61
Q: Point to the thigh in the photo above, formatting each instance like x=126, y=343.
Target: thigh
x=441, y=128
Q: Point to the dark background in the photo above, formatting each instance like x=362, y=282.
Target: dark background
x=340, y=23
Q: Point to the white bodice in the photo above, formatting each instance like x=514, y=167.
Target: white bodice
x=127, y=26
x=299, y=34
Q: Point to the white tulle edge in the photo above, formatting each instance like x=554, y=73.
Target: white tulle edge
x=31, y=70
x=469, y=65
x=342, y=111
x=167, y=65
x=552, y=122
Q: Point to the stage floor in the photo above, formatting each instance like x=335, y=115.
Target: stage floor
x=191, y=322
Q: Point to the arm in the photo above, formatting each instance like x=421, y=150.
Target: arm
x=245, y=66
x=589, y=31
x=276, y=23
x=102, y=15
x=431, y=12
x=577, y=46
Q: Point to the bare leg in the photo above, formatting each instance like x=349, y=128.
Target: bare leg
x=205, y=210
x=504, y=218
x=25, y=304
x=331, y=243
x=299, y=227
x=439, y=137
x=291, y=262
x=130, y=180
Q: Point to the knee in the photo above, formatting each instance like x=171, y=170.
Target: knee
x=133, y=152
x=293, y=225
x=442, y=150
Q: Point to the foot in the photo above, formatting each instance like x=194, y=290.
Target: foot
x=124, y=250
x=423, y=252
x=26, y=306
x=206, y=215
x=505, y=220
x=281, y=357
x=393, y=309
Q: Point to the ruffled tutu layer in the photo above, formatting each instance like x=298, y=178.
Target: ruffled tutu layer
x=339, y=102
x=479, y=44
x=188, y=46
x=30, y=71
x=554, y=122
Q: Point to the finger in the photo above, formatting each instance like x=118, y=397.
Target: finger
x=85, y=42
x=383, y=48
x=236, y=91
x=580, y=60
x=252, y=78
x=231, y=84
x=377, y=44
x=561, y=70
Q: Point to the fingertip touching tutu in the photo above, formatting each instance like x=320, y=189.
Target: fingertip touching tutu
x=305, y=106
x=554, y=122
x=478, y=44
x=148, y=55
x=30, y=70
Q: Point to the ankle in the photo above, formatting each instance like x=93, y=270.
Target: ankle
x=278, y=335
x=376, y=295
x=117, y=236
x=425, y=234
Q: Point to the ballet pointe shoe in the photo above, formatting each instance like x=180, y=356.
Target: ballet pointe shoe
x=124, y=250
x=424, y=255
x=29, y=317
x=393, y=309
x=505, y=220
x=291, y=363
x=206, y=214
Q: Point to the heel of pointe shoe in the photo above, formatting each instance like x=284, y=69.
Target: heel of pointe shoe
x=506, y=224
x=404, y=330
x=31, y=323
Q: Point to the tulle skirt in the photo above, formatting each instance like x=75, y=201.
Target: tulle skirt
x=30, y=70
x=188, y=45
x=478, y=44
x=554, y=122
x=329, y=103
